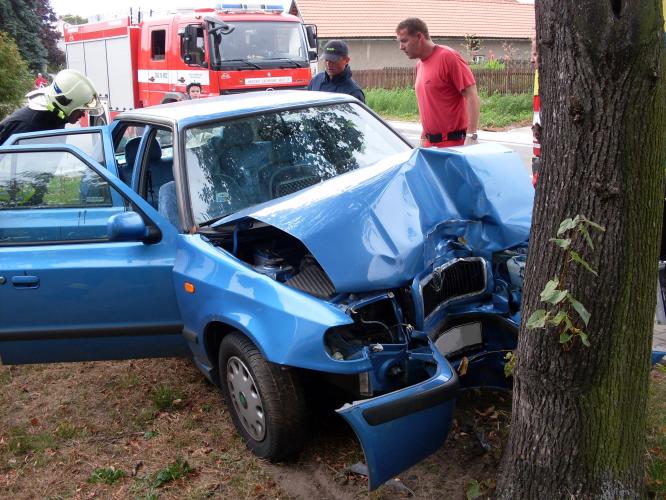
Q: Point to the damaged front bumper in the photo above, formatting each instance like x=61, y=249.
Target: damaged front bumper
x=399, y=429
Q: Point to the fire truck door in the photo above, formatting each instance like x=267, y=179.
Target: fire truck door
x=153, y=67
x=189, y=63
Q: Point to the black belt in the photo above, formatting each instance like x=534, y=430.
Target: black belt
x=456, y=135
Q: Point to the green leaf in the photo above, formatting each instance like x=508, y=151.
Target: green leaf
x=580, y=309
x=565, y=338
x=593, y=225
x=550, y=287
x=556, y=297
x=586, y=235
x=562, y=243
x=565, y=226
x=538, y=319
x=585, y=339
x=559, y=317
x=473, y=490
x=577, y=258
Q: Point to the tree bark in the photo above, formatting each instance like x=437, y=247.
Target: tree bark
x=578, y=421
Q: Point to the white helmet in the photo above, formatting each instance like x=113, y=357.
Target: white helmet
x=71, y=90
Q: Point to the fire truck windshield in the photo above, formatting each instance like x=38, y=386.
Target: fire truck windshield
x=261, y=44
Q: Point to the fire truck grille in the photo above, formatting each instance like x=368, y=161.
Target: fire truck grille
x=462, y=278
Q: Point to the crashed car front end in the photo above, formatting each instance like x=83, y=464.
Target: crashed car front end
x=384, y=280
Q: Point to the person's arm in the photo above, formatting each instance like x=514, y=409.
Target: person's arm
x=358, y=93
x=473, y=110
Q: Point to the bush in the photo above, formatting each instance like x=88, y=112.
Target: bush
x=497, y=110
x=15, y=78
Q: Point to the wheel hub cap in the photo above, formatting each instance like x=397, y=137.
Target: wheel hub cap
x=245, y=398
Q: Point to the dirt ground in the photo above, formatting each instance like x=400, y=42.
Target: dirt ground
x=156, y=429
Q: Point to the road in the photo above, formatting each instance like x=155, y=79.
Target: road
x=518, y=139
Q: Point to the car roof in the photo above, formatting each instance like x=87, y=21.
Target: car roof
x=198, y=110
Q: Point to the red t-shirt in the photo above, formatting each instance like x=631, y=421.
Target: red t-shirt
x=440, y=80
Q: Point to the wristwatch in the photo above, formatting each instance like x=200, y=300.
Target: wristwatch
x=473, y=136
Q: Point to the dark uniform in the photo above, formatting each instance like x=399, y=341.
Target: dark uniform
x=29, y=120
x=342, y=83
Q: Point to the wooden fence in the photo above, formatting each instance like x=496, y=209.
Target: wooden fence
x=510, y=80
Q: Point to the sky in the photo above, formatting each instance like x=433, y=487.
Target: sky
x=87, y=8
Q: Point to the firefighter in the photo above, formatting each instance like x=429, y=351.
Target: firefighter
x=64, y=101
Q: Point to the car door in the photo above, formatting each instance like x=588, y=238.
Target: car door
x=75, y=283
x=93, y=141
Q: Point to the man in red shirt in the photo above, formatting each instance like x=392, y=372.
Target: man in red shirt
x=40, y=81
x=445, y=88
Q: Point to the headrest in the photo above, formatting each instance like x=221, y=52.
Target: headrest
x=131, y=148
x=155, y=152
x=237, y=134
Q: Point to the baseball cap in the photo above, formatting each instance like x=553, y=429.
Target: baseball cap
x=335, y=49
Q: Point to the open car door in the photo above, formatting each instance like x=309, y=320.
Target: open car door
x=85, y=263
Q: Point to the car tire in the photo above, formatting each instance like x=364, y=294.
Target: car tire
x=266, y=401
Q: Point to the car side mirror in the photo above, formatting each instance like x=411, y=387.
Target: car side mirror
x=312, y=55
x=129, y=226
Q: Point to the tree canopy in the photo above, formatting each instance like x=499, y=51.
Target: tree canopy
x=15, y=78
x=31, y=24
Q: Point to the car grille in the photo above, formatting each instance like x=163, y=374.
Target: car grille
x=454, y=280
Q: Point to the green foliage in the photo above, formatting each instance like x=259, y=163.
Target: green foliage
x=497, y=110
x=32, y=23
x=393, y=103
x=175, y=470
x=15, y=79
x=491, y=64
x=164, y=397
x=107, y=475
x=473, y=490
x=510, y=364
x=503, y=110
x=563, y=303
x=74, y=19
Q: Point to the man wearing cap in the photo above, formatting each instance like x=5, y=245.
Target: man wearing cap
x=338, y=75
x=445, y=88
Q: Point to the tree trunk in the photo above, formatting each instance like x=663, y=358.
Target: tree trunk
x=578, y=422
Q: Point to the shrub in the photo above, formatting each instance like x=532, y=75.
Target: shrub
x=15, y=78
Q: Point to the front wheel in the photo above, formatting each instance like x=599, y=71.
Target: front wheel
x=266, y=401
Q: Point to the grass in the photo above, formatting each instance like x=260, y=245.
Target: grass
x=165, y=397
x=72, y=431
x=107, y=475
x=497, y=110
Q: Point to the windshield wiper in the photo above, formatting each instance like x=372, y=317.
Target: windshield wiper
x=249, y=63
x=212, y=221
x=296, y=64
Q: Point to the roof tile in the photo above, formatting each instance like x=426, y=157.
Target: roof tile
x=445, y=18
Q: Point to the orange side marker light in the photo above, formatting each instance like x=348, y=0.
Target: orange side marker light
x=189, y=287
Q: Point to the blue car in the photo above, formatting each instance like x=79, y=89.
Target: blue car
x=280, y=239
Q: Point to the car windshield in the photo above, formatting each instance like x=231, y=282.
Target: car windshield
x=238, y=163
x=264, y=41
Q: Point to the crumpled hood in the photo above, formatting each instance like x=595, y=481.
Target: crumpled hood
x=378, y=227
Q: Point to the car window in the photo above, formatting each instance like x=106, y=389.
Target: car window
x=88, y=142
x=131, y=133
x=52, y=196
x=238, y=163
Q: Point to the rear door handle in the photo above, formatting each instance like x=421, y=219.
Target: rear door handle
x=25, y=281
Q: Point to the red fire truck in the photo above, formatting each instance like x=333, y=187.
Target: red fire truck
x=229, y=49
